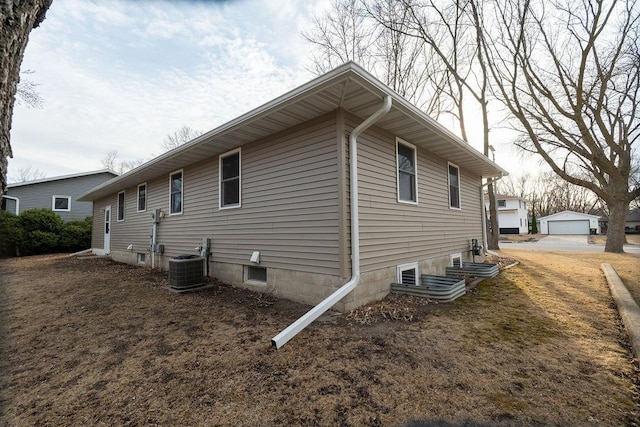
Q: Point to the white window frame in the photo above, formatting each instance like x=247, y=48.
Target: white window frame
x=220, y=159
x=53, y=203
x=452, y=257
x=501, y=200
x=181, y=172
x=415, y=177
x=124, y=206
x=146, y=197
x=459, y=207
x=409, y=266
x=141, y=258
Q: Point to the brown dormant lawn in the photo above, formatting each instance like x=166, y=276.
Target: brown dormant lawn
x=92, y=342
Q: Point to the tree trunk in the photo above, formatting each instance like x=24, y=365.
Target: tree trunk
x=493, y=235
x=618, y=211
x=17, y=19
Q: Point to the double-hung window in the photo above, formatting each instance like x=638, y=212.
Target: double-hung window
x=175, y=189
x=407, y=172
x=61, y=203
x=230, y=176
x=120, y=216
x=454, y=186
x=142, y=197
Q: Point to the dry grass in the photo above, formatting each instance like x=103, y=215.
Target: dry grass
x=626, y=265
x=521, y=237
x=601, y=239
x=93, y=342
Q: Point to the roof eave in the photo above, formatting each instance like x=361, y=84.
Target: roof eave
x=339, y=76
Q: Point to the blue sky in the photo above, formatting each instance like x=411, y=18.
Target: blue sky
x=121, y=75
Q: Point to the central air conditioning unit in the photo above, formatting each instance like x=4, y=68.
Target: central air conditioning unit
x=186, y=272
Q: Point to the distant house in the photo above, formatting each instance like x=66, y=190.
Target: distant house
x=271, y=191
x=631, y=226
x=60, y=194
x=512, y=214
x=569, y=222
x=633, y=222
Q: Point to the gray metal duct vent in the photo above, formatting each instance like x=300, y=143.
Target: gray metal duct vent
x=186, y=272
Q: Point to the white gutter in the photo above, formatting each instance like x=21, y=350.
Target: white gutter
x=292, y=330
x=17, y=202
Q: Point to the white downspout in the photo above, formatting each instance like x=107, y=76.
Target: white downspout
x=292, y=330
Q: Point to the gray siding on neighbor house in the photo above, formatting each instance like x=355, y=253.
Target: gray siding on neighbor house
x=394, y=233
x=39, y=194
x=289, y=206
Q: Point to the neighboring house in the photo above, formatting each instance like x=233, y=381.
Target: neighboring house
x=569, y=222
x=631, y=226
x=633, y=221
x=60, y=194
x=274, y=186
x=512, y=214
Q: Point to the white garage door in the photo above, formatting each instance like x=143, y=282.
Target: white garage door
x=569, y=227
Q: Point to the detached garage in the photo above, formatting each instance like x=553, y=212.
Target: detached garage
x=568, y=222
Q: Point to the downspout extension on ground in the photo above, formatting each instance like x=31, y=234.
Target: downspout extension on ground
x=292, y=330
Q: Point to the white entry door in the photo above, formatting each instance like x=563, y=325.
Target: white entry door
x=107, y=230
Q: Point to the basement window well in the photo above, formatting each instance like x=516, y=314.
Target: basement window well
x=255, y=274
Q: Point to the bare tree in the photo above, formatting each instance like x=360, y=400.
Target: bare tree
x=547, y=193
x=347, y=32
x=569, y=72
x=179, y=137
x=429, y=50
x=27, y=174
x=342, y=34
x=451, y=32
x=17, y=19
x=110, y=161
x=26, y=92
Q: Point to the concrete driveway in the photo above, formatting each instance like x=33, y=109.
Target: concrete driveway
x=563, y=243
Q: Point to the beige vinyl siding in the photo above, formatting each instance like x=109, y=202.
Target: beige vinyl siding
x=289, y=205
x=393, y=233
x=134, y=229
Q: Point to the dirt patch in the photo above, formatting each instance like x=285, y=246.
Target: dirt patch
x=94, y=342
x=515, y=238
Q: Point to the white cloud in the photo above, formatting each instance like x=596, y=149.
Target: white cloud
x=109, y=85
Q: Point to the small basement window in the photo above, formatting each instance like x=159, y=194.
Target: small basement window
x=408, y=274
x=253, y=273
x=455, y=260
x=142, y=258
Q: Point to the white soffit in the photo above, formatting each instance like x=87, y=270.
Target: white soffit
x=349, y=87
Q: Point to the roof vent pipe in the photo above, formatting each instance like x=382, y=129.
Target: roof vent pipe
x=292, y=330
